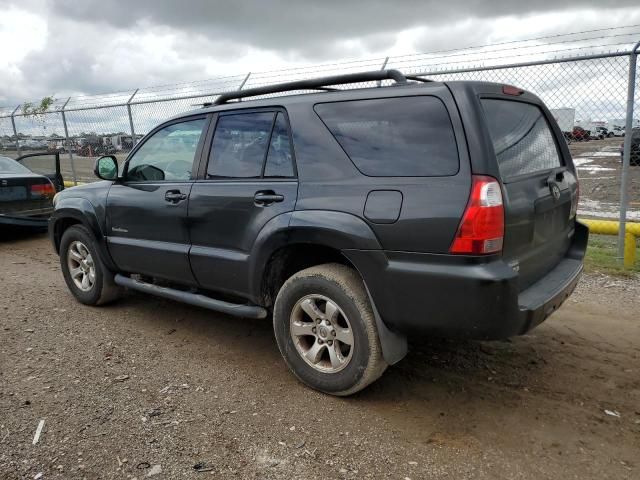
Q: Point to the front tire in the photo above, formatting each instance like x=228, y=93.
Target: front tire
x=84, y=272
x=326, y=330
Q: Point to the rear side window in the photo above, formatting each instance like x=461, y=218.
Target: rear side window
x=522, y=139
x=279, y=160
x=394, y=137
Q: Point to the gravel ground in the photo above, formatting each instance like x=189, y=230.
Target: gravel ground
x=151, y=388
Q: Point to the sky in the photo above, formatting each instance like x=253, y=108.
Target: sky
x=70, y=47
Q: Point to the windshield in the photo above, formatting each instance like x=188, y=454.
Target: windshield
x=8, y=165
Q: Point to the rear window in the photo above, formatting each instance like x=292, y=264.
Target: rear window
x=522, y=139
x=8, y=165
x=394, y=137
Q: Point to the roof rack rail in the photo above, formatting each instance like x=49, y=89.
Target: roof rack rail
x=321, y=83
x=417, y=78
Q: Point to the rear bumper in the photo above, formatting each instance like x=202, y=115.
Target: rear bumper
x=543, y=298
x=466, y=297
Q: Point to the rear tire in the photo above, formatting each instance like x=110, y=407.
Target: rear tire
x=84, y=271
x=326, y=330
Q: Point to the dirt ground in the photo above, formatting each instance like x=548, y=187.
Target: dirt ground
x=147, y=386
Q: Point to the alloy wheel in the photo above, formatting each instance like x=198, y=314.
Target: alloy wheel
x=321, y=333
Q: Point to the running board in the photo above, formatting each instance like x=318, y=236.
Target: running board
x=245, y=311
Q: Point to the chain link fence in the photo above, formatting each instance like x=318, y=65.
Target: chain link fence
x=586, y=93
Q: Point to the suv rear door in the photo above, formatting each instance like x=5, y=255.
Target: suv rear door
x=249, y=179
x=539, y=185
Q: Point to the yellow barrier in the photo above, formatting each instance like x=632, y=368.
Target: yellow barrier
x=608, y=227
x=68, y=184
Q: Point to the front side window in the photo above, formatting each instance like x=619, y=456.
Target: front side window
x=394, y=137
x=168, y=155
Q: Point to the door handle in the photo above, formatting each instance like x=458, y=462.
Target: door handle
x=174, y=196
x=263, y=199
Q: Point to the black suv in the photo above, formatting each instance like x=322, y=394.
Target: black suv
x=356, y=218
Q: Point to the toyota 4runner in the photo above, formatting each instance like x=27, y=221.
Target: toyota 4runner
x=354, y=217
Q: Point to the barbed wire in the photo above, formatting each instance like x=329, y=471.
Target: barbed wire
x=588, y=42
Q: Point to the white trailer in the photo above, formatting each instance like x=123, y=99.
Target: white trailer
x=565, y=118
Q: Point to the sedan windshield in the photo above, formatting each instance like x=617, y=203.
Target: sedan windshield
x=8, y=165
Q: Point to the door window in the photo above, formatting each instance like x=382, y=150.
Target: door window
x=251, y=145
x=168, y=155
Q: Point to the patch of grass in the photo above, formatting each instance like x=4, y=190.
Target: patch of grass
x=601, y=257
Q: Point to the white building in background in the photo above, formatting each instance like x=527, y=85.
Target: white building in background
x=621, y=122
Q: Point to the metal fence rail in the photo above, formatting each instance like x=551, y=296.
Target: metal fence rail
x=590, y=91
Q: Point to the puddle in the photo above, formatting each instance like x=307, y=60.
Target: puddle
x=594, y=169
x=581, y=161
x=601, y=154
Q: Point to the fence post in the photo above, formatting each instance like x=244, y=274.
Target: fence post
x=133, y=132
x=66, y=136
x=626, y=156
x=243, y=82
x=15, y=132
x=384, y=65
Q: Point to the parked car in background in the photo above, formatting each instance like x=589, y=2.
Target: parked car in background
x=634, y=158
x=26, y=197
x=617, y=131
x=579, y=134
x=33, y=144
x=602, y=132
x=94, y=146
x=355, y=218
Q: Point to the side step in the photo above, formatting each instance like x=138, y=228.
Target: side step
x=245, y=311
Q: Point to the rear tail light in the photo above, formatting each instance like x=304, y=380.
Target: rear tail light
x=43, y=190
x=481, y=230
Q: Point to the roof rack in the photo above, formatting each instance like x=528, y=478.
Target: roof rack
x=321, y=83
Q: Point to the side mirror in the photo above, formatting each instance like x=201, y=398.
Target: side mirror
x=106, y=168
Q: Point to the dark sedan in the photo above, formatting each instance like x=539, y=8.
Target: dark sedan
x=26, y=198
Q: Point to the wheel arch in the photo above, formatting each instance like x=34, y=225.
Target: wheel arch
x=315, y=233
x=299, y=240
x=78, y=211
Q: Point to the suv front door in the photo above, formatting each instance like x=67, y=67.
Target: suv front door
x=147, y=208
x=250, y=179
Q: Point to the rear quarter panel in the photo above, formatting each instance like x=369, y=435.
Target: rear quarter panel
x=431, y=206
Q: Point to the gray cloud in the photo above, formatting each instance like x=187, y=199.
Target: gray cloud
x=303, y=27
x=95, y=46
